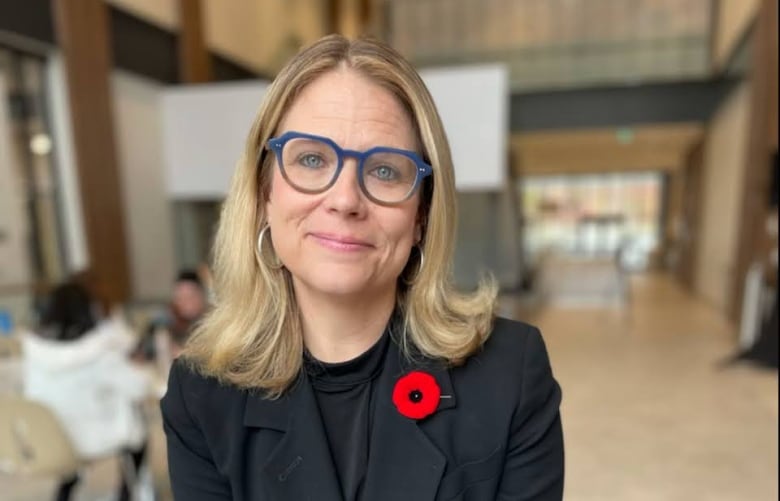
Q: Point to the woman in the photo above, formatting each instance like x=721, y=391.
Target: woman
x=338, y=362
x=78, y=367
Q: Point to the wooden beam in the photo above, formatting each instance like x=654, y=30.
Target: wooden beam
x=652, y=147
x=771, y=73
x=351, y=18
x=333, y=15
x=82, y=30
x=584, y=161
x=755, y=194
x=194, y=59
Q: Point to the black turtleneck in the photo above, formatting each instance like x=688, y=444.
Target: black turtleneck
x=345, y=394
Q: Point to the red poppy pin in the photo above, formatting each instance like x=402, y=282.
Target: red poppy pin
x=416, y=395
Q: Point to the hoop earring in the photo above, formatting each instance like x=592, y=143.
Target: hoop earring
x=411, y=280
x=277, y=264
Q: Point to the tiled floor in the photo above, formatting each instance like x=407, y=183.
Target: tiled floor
x=648, y=414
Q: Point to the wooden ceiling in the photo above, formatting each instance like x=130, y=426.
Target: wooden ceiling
x=647, y=147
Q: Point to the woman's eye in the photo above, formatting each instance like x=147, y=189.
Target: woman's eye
x=384, y=173
x=310, y=160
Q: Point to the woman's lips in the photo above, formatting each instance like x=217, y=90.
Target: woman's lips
x=340, y=242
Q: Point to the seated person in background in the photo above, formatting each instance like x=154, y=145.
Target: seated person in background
x=166, y=335
x=187, y=307
x=77, y=366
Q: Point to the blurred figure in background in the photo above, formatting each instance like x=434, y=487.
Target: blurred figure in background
x=166, y=335
x=187, y=306
x=77, y=365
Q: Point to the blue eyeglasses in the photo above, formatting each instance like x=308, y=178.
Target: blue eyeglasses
x=311, y=164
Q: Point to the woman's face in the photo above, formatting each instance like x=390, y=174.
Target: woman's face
x=340, y=243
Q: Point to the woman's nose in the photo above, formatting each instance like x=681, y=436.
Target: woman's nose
x=345, y=195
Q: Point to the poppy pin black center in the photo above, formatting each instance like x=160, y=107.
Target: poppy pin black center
x=415, y=396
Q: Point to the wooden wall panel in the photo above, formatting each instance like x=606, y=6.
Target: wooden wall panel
x=691, y=217
x=755, y=196
x=82, y=30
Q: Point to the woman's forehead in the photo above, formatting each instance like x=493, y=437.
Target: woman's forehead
x=345, y=105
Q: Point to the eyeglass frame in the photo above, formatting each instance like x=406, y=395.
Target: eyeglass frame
x=276, y=144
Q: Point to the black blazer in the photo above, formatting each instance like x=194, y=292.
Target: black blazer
x=497, y=438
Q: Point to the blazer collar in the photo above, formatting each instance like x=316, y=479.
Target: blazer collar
x=301, y=466
x=403, y=462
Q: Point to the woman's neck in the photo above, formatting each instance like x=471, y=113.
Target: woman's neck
x=337, y=329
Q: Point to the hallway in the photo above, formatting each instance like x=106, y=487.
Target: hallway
x=647, y=413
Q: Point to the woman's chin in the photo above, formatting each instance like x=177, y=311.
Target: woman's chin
x=344, y=284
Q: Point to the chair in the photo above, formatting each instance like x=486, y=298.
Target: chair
x=10, y=365
x=33, y=441
x=10, y=347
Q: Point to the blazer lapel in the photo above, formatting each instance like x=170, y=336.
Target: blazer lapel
x=300, y=467
x=403, y=462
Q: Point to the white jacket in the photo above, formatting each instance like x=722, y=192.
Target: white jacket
x=91, y=386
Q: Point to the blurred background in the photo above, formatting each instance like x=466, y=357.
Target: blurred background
x=627, y=203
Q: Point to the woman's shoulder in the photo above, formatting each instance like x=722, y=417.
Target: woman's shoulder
x=510, y=350
x=509, y=337
x=192, y=393
x=199, y=411
x=187, y=378
x=512, y=370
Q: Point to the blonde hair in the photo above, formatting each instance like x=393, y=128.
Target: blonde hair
x=252, y=338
